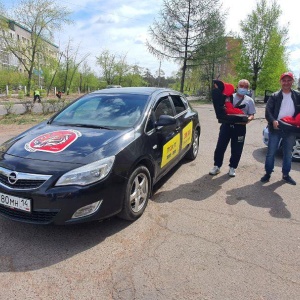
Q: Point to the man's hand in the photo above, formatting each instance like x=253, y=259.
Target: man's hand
x=275, y=124
x=250, y=118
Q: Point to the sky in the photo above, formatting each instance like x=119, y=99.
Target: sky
x=121, y=26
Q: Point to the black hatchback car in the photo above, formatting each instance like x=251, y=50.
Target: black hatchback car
x=100, y=156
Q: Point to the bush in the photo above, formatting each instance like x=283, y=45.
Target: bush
x=28, y=105
x=8, y=106
x=52, y=105
x=21, y=95
x=45, y=107
x=43, y=93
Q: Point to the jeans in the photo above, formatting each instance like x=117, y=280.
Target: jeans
x=235, y=134
x=288, y=142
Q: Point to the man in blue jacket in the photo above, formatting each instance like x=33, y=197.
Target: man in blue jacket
x=283, y=103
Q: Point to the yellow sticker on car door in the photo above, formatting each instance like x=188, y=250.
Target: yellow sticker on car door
x=170, y=150
x=187, y=135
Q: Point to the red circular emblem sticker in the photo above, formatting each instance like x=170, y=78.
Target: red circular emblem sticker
x=53, y=142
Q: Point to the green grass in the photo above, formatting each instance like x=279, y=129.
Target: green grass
x=23, y=119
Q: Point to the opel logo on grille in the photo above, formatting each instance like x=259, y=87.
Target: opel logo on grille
x=12, y=177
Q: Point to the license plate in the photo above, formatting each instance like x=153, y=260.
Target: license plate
x=15, y=202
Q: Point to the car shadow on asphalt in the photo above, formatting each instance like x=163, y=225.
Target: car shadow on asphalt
x=26, y=247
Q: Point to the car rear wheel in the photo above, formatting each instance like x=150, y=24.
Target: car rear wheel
x=137, y=194
x=193, y=151
x=296, y=150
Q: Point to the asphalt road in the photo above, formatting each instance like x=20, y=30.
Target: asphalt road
x=201, y=237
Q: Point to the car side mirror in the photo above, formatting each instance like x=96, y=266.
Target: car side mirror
x=165, y=120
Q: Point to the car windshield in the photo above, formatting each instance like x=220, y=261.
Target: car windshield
x=103, y=111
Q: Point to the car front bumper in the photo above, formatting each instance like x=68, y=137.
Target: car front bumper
x=57, y=205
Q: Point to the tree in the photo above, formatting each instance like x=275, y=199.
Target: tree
x=41, y=18
x=258, y=31
x=212, y=53
x=134, y=77
x=148, y=77
x=12, y=78
x=50, y=72
x=182, y=28
x=193, y=81
x=114, y=67
x=274, y=65
x=87, y=80
x=69, y=66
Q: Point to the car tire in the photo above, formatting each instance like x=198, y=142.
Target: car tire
x=296, y=150
x=137, y=194
x=194, y=149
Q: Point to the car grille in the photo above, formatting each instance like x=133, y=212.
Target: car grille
x=22, y=181
x=38, y=217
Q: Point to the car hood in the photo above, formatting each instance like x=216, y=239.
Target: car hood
x=66, y=144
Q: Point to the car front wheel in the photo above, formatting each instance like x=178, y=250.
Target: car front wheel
x=296, y=150
x=137, y=194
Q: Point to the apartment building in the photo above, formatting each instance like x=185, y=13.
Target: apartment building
x=233, y=48
x=19, y=32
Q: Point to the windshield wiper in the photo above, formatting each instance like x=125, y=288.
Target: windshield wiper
x=91, y=126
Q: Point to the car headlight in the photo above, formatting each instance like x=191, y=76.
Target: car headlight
x=87, y=174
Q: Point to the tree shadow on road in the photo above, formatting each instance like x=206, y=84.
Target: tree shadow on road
x=260, y=196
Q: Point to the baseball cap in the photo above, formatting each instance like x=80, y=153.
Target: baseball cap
x=289, y=74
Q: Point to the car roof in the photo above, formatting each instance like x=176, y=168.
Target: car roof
x=133, y=90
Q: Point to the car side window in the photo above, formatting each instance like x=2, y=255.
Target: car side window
x=150, y=124
x=178, y=104
x=164, y=107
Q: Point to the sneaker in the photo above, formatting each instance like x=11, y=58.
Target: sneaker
x=265, y=178
x=215, y=170
x=231, y=172
x=289, y=179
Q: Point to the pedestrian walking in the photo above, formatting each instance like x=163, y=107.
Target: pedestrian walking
x=234, y=133
x=281, y=104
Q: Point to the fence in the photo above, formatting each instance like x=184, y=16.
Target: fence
x=22, y=90
x=49, y=106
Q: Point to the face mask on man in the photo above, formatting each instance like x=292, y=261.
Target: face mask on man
x=242, y=91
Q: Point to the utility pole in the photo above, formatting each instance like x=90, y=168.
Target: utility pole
x=38, y=55
x=159, y=70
